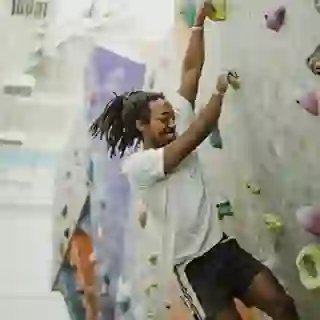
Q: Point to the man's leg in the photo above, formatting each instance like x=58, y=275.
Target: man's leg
x=256, y=286
x=266, y=293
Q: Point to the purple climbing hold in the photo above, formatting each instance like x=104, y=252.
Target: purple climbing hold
x=275, y=18
x=309, y=218
x=311, y=102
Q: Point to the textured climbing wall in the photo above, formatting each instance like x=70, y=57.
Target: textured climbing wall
x=268, y=138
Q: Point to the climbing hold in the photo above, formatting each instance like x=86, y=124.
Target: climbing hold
x=224, y=209
x=215, y=139
x=66, y=233
x=153, y=259
x=189, y=11
x=142, y=209
x=309, y=218
x=68, y=175
x=308, y=264
x=99, y=232
x=310, y=102
x=92, y=257
x=106, y=279
x=317, y=5
x=254, y=189
x=234, y=80
x=273, y=223
x=313, y=61
x=218, y=10
x=103, y=205
x=149, y=288
x=124, y=305
x=168, y=305
x=275, y=18
x=123, y=296
x=64, y=211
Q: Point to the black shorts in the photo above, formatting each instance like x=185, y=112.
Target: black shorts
x=223, y=273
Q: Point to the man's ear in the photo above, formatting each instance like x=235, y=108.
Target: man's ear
x=140, y=126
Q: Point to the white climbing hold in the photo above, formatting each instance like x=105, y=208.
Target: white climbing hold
x=234, y=80
x=100, y=232
x=308, y=264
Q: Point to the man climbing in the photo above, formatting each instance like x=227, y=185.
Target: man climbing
x=166, y=175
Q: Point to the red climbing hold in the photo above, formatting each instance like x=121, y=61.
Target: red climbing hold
x=311, y=102
x=275, y=18
x=309, y=218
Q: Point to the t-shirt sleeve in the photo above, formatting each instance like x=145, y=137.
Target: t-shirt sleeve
x=145, y=167
x=184, y=112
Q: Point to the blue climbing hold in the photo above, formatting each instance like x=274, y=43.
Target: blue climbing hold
x=224, y=209
x=215, y=139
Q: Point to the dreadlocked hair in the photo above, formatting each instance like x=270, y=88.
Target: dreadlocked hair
x=117, y=123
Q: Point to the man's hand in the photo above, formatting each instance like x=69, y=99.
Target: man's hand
x=222, y=84
x=204, y=11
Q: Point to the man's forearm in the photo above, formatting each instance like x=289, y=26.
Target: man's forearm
x=195, y=54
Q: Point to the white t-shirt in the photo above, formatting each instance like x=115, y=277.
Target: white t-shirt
x=177, y=204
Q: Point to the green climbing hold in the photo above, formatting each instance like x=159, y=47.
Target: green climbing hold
x=224, y=209
x=273, y=223
x=189, y=12
x=215, y=139
x=308, y=264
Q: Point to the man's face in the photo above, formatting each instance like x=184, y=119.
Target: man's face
x=161, y=128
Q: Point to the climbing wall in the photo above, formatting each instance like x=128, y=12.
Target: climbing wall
x=108, y=73
x=71, y=190
x=269, y=160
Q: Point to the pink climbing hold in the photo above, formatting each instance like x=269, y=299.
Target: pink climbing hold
x=275, y=18
x=309, y=218
x=311, y=102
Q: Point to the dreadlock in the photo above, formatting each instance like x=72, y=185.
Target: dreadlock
x=117, y=123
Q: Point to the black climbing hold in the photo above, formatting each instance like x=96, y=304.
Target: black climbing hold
x=68, y=175
x=106, y=279
x=64, y=211
x=66, y=233
x=80, y=291
x=103, y=205
x=124, y=305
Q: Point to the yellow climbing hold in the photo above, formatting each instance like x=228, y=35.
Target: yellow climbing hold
x=273, y=223
x=253, y=188
x=220, y=12
x=308, y=264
